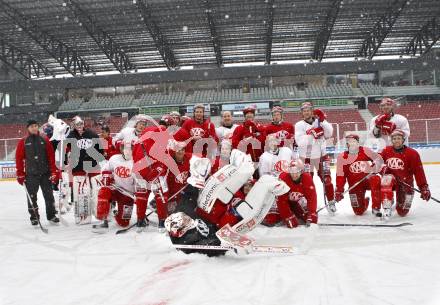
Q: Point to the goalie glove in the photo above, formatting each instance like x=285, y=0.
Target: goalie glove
x=199, y=169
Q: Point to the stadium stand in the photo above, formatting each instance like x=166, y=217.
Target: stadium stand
x=71, y=104
x=369, y=89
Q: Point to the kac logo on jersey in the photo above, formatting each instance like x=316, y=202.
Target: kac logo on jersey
x=295, y=196
x=281, y=166
x=358, y=167
x=282, y=134
x=197, y=132
x=84, y=143
x=395, y=163
x=181, y=178
x=122, y=171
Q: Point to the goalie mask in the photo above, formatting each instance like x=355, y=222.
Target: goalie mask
x=177, y=224
x=295, y=169
x=272, y=144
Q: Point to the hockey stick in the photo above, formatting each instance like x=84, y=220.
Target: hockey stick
x=130, y=227
x=403, y=224
x=35, y=212
x=351, y=187
x=415, y=189
x=255, y=249
x=133, y=225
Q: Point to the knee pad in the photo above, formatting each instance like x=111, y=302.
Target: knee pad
x=404, y=203
x=359, y=203
x=103, y=205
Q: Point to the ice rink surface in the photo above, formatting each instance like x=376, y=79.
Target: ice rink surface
x=366, y=266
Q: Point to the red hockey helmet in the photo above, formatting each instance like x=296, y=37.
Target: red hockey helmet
x=249, y=109
x=177, y=224
x=277, y=109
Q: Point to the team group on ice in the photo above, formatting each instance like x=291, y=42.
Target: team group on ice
x=204, y=178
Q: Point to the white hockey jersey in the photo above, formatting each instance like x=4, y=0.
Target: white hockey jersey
x=308, y=146
x=225, y=132
x=122, y=172
x=401, y=123
x=272, y=164
x=128, y=134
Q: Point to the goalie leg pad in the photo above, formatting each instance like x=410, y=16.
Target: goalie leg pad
x=258, y=202
x=81, y=198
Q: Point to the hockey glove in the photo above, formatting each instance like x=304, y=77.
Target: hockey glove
x=316, y=132
x=320, y=115
x=21, y=179
x=425, y=192
x=387, y=128
x=291, y=222
x=381, y=119
x=339, y=196
x=312, y=218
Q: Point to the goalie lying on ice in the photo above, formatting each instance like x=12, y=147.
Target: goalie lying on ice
x=204, y=211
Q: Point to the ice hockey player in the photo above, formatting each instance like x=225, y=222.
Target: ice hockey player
x=311, y=134
x=132, y=133
x=249, y=136
x=85, y=153
x=283, y=131
x=35, y=165
x=384, y=124
x=120, y=185
x=176, y=118
x=227, y=127
x=109, y=147
x=177, y=184
x=213, y=208
x=275, y=158
x=354, y=165
x=152, y=161
x=402, y=165
x=300, y=202
x=196, y=129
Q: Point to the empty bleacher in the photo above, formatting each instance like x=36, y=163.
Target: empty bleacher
x=107, y=102
x=329, y=91
x=369, y=89
x=71, y=104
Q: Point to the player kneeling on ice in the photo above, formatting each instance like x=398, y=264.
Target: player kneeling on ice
x=299, y=203
x=357, y=166
x=210, y=208
x=121, y=186
x=402, y=165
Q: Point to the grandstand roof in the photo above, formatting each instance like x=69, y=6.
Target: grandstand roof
x=56, y=37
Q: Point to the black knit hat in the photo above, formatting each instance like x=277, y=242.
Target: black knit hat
x=31, y=122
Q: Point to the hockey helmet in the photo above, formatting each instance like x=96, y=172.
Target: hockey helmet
x=167, y=120
x=352, y=136
x=296, y=166
x=249, y=109
x=386, y=101
x=398, y=132
x=306, y=105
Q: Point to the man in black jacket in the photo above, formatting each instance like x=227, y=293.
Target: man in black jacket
x=35, y=164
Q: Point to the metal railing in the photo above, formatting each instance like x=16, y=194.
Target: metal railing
x=7, y=149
